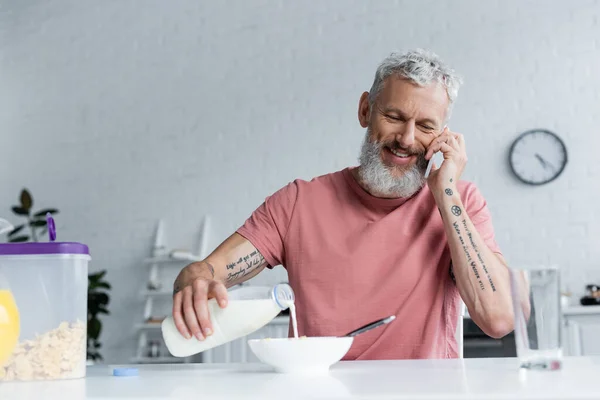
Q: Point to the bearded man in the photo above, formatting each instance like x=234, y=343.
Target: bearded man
x=375, y=240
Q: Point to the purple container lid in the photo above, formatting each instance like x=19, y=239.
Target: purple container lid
x=14, y=249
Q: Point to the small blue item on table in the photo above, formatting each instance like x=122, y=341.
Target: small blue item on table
x=125, y=372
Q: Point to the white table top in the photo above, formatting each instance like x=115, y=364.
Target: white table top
x=411, y=379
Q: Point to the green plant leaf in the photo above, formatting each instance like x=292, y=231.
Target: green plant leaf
x=97, y=276
x=103, y=284
x=19, y=239
x=94, y=328
x=102, y=298
x=42, y=213
x=20, y=210
x=26, y=200
x=38, y=223
x=16, y=230
x=98, y=298
x=93, y=302
x=94, y=355
x=96, y=305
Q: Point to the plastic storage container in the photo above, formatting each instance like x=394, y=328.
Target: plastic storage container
x=248, y=309
x=44, y=289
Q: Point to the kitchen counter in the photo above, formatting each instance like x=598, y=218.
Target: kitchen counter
x=411, y=379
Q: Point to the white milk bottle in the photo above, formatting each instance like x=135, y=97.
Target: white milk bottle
x=248, y=309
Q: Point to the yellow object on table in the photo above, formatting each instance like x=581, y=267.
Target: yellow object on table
x=9, y=325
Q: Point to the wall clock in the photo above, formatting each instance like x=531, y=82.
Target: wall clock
x=538, y=156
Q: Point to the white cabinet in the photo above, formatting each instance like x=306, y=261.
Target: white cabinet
x=581, y=330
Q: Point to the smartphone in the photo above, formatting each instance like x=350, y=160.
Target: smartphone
x=437, y=157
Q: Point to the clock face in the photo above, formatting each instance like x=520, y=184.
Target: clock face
x=538, y=157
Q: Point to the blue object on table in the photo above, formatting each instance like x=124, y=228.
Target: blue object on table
x=125, y=372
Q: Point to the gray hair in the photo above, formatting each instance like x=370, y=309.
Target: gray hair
x=419, y=66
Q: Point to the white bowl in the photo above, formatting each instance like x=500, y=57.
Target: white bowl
x=303, y=355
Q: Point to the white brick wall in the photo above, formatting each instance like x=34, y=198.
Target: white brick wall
x=119, y=112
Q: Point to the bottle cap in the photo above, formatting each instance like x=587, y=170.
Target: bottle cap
x=283, y=295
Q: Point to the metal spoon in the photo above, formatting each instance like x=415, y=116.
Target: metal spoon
x=372, y=325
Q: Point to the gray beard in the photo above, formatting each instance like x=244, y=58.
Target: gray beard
x=378, y=178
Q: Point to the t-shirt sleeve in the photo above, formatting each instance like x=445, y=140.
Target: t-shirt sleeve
x=267, y=227
x=480, y=216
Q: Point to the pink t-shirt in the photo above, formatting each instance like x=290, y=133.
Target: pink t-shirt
x=353, y=258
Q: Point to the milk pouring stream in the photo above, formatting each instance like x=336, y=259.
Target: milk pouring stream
x=248, y=309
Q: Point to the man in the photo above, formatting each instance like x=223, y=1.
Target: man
x=377, y=240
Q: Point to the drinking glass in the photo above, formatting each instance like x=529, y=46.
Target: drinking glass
x=536, y=305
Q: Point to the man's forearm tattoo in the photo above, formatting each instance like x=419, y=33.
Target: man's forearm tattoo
x=476, y=250
x=244, y=265
x=470, y=260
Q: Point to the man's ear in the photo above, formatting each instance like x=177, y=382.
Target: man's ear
x=364, y=109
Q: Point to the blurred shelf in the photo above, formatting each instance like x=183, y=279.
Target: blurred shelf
x=156, y=291
x=581, y=310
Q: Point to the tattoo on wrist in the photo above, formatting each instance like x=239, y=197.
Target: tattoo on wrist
x=456, y=210
x=211, y=269
x=449, y=192
x=177, y=288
